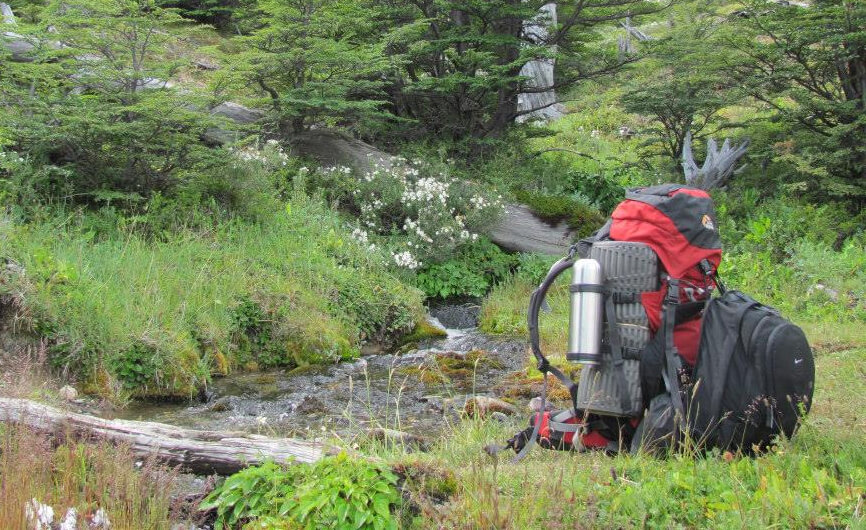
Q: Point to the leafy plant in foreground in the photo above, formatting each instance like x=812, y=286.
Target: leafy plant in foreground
x=336, y=492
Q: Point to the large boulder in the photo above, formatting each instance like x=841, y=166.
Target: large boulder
x=20, y=47
x=522, y=231
x=333, y=148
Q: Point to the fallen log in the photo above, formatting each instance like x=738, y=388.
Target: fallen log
x=201, y=452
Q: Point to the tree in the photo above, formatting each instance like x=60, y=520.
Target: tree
x=218, y=13
x=808, y=64
x=98, y=100
x=459, y=64
x=314, y=61
x=684, y=87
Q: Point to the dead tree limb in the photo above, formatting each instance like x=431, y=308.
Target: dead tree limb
x=718, y=167
x=196, y=451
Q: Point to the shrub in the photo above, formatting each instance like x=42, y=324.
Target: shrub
x=473, y=270
x=813, y=282
x=419, y=216
x=338, y=491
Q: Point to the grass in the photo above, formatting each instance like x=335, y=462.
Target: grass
x=86, y=477
x=133, y=316
x=815, y=480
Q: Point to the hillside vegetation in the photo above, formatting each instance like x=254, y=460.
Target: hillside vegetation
x=150, y=245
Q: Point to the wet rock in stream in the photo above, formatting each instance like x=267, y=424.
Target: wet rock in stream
x=463, y=316
x=484, y=406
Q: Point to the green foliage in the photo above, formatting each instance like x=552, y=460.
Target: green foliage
x=461, y=60
x=806, y=63
x=336, y=492
x=681, y=87
x=533, y=267
x=473, y=270
x=250, y=493
x=136, y=367
x=576, y=210
x=158, y=315
x=216, y=12
x=813, y=281
x=313, y=61
x=786, y=490
x=94, y=112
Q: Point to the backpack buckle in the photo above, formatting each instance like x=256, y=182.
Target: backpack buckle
x=673, y=291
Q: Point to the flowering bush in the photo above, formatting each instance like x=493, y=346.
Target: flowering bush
x=271, y=155
x=418, y=215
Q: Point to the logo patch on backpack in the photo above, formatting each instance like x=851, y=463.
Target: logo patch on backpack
x=707, y=221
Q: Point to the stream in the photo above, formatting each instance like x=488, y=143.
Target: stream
x=418, y=391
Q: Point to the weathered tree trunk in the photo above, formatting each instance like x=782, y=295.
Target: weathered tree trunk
x=6, y=14
x=718, y=167
x=624, y=43
x=195, y=451
x=539, y=105
x=633, y=31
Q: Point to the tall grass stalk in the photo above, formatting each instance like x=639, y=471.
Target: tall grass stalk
x=135, y=494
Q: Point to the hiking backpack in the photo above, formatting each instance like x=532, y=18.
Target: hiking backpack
x=658, y=255
x=754, y=378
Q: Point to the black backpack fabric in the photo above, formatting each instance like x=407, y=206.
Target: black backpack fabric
x=754, y=377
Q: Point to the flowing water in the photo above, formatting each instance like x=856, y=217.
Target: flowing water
x=418, y=391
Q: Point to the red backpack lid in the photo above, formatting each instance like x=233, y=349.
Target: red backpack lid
x=677, y=222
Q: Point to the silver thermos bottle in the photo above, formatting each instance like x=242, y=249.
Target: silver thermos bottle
x=587, y=304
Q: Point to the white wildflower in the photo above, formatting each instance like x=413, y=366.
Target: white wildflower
x=478, y=202
x=406, y=259
x=70, y=520
x=40, y=515
x=100, y=520
x=360, y=236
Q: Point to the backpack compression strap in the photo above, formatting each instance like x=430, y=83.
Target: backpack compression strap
x=616, y=353
x=544, y=366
